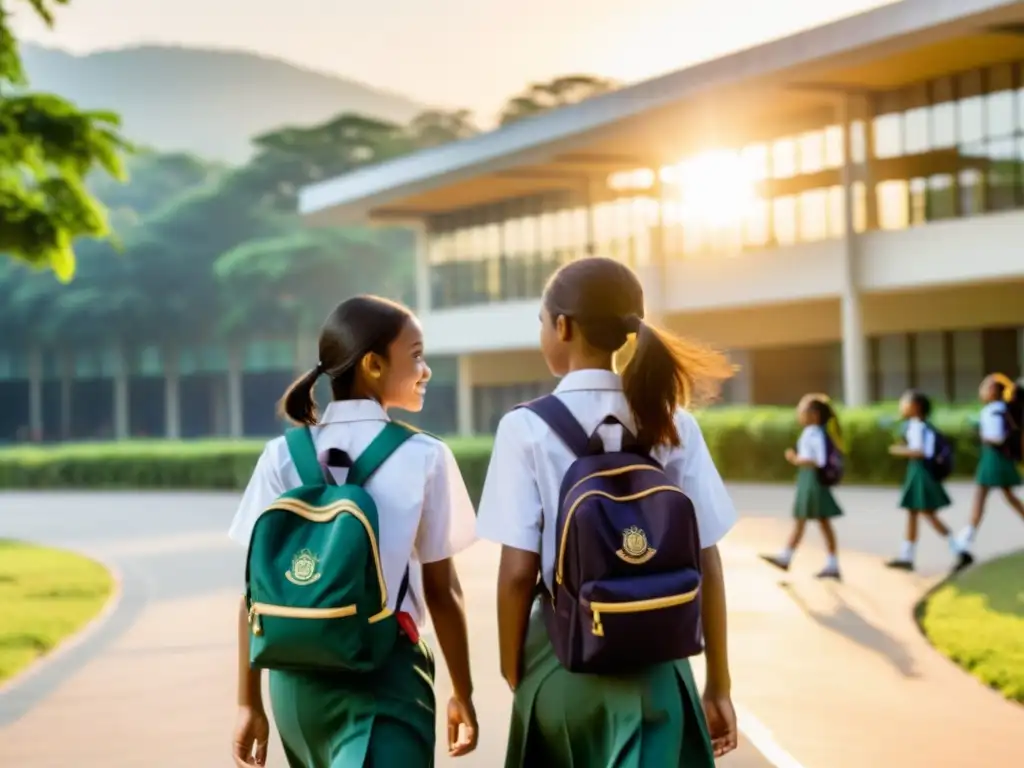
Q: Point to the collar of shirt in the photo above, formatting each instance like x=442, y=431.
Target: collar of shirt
x=592, y=379
x=345, y=411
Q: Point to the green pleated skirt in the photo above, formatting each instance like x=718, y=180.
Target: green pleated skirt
x=564, y=720
x=996, y=469
x=382, y=719
x=814, y=501
x=921, y=491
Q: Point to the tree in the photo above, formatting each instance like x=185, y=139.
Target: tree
x=47, y=148
x=541, y=97
x=435, y=127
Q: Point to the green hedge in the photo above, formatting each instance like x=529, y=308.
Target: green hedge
x=747, y=444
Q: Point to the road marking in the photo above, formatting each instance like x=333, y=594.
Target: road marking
x=760, y=736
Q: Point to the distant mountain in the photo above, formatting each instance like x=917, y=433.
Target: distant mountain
x=204, y=101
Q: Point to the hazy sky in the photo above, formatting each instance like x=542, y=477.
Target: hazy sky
x=471, y=53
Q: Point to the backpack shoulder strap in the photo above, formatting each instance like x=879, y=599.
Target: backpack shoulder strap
x=303, y=451
x=378, y=451
x=557, y=415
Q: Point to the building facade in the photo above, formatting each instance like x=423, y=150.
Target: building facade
x=840, y=210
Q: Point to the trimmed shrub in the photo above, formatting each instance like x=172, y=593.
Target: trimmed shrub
x=746, y=443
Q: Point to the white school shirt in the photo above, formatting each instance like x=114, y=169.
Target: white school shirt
x=519, y=505
x=425, y=511
x=920, y=438
x=991, y=424
x=811, y=445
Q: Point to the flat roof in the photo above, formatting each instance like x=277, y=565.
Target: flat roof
x=775, y=89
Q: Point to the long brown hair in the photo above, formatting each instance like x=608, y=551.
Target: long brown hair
x=357, y=327
x=605, y=299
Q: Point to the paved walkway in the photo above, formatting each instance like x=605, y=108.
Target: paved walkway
x=837, y=674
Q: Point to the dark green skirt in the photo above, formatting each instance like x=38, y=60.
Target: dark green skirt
x=377, y=720
x=814, y=501
x=996, y=469
x=650, y=720
x=921, y=491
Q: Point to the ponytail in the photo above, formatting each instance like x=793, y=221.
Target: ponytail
x=298, y=404
x=828, y=419
x=1004, y=386
x=665, y=373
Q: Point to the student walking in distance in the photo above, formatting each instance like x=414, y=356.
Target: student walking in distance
x=351, y=521
x=583, y=489
x=930, y=461
x=1001, y=448
x=819, y=459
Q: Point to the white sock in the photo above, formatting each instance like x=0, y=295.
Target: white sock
x=954, y=544
x=786, y=556
x=907, y=551
x=967, y=536
x=832, y=563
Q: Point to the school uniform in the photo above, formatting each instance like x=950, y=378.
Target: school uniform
x=995, y=468
x=652, y=719
x=921, y=491
x=386, y=717
x=814, y=501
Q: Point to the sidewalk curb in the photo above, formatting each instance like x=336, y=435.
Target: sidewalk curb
x=94, y=625
x=917, y=615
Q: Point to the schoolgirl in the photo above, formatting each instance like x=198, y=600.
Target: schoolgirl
x=372, y=351
x=923, y=494
x=814, y=499
x=997, y=464
x=654, y=718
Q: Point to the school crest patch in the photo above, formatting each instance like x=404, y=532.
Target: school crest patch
x=303, y=569
x=635, y=549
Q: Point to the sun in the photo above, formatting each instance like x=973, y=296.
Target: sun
x=715, y=188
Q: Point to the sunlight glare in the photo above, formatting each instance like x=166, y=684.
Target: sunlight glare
x=715, y=188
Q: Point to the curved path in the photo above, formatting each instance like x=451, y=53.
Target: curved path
x=832, y=676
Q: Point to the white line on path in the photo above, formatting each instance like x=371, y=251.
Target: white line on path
x=759, y=735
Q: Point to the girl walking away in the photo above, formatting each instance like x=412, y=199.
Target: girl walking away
x=1001, y=448
x=583, y=489
x=929, y=462
x=351, y=521
x=818, y=456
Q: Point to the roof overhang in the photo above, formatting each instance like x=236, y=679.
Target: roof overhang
x=776, y=89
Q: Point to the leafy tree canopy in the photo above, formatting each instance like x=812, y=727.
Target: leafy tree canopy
x=47, y=148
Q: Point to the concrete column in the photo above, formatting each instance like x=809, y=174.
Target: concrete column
x=854, y=342
x=172, y=394
x=122, y=402
x=656, y=284
x=464, y=397
x=67, y=370
x=35, y=393
x=741, y=386
x=236, y=426
x=424, y=297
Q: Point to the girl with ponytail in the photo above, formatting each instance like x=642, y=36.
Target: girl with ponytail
x=590, y=310
x=817, y=457
x=1001, y=448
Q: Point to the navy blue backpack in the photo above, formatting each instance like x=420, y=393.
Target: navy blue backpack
x=627, y=582
x=832, y=473
x=940, y=465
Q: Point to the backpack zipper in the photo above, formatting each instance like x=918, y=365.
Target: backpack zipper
x=588, y=494
x=325, y=515
x=287, y=612
x=638, y=606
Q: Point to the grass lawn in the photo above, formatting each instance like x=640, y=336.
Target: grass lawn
x=978, y=621
x=46, y=595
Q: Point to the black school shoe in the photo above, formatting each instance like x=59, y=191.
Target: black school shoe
x=963, y=561
x=829, y=573
x=900, y=565
x=775, y=560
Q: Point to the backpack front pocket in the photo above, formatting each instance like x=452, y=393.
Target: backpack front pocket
x=636, y=622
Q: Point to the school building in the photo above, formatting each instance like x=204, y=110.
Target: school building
x=842, y=210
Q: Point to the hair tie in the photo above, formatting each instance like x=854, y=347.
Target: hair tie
x=319, y=370
x=1007, y=385
x=632, y=323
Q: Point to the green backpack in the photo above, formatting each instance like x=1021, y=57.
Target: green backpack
x=314, y=580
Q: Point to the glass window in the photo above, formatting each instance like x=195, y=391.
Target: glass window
x=833, y=147
x=754, y=159
x=784, y=162
x=1002, y=174
x=811, y=152
x=918, y=202
x=813, y=215
x=858, y=142
x=943, y=122
x=916, y=130
x=888, y=141
x=970, y=108
x=999, y=113
x=756, y=225
x=893, y=210
x=941, y=197
x=784, y=220
x=836, y=212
